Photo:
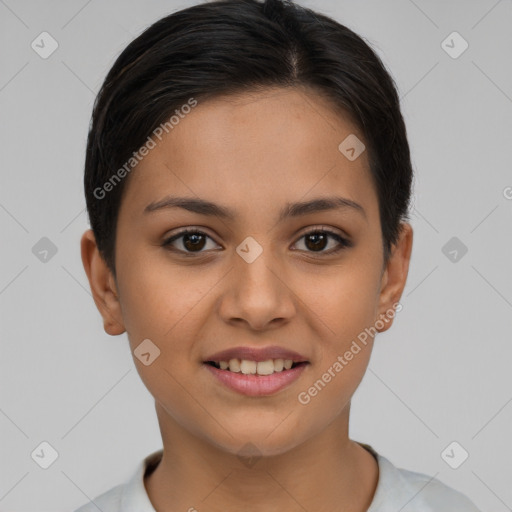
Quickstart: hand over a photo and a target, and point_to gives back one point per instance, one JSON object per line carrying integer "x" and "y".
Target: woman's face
{"x": 257, "y": 283}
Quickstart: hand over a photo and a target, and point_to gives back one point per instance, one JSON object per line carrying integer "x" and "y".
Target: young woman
{"x": 248, "y": 179}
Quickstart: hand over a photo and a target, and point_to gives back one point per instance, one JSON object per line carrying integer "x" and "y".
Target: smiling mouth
{"x": 260, "y": 368}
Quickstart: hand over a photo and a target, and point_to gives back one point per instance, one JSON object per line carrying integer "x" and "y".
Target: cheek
{"x": 345, "y": 301}
{"x": 157, "y": 300}
{"x": 345, "y": 304}
{"x": 161, "y": 303}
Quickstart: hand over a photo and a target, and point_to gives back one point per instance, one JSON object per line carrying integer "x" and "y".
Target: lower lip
{"x": 257, "y": 385}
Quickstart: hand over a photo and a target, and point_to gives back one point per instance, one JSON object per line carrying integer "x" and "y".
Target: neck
{"x": 325, "y": 473}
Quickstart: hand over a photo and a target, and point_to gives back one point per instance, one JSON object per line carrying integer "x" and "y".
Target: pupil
{"x": 315, "y": 244}
{"x": 191, "y": 241}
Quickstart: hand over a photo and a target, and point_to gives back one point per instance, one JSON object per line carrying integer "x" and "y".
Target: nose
{"x": 258, "y": 294}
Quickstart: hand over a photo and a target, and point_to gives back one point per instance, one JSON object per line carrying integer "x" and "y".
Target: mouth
{"x": 256, "y": 372}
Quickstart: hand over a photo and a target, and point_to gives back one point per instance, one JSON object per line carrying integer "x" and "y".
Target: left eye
{"x": 193, "y": 241}
{"x": 318, "y": 239}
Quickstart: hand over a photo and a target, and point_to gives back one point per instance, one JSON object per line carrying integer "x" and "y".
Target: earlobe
{"x": 102, "y": 284}
{"x": 395, "y": 277}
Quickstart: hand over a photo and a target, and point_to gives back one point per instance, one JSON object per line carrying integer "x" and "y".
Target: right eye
{"x": 191, "y": 240}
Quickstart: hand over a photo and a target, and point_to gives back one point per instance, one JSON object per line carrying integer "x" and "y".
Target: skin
{"x": 253, "y": 153}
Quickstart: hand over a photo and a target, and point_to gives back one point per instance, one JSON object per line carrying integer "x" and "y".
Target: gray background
{"x": 441, "y": 374}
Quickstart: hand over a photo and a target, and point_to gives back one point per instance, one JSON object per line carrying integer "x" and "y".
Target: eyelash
{"x": 344, "y": 243}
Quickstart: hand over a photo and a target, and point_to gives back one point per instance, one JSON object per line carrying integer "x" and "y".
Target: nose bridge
{"x": 255, "y": 268}
{"x": 258, "y": 292}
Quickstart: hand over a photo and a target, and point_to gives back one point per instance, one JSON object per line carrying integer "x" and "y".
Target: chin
{"x": 258, "y": 441}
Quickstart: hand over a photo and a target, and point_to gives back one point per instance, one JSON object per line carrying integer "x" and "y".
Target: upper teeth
{"x": 248, "y": 367}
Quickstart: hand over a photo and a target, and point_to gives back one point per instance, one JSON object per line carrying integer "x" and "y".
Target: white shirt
{"x": 397, "y": 489}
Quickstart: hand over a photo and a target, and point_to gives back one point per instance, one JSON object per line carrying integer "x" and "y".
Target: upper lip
{"x": 256, "y": 354}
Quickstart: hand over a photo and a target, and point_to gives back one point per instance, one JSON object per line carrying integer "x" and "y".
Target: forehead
{"x": 258, "y": 149}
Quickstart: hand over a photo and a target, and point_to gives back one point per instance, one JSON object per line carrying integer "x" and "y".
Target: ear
{"x": 394, "y": 277}
{"x": 103, "y": 285}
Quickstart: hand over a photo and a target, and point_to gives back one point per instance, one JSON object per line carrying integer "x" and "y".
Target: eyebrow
{"x": 290, "y": 210}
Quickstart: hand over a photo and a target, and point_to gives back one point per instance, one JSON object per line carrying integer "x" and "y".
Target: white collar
{"x": 134, "y": 497}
